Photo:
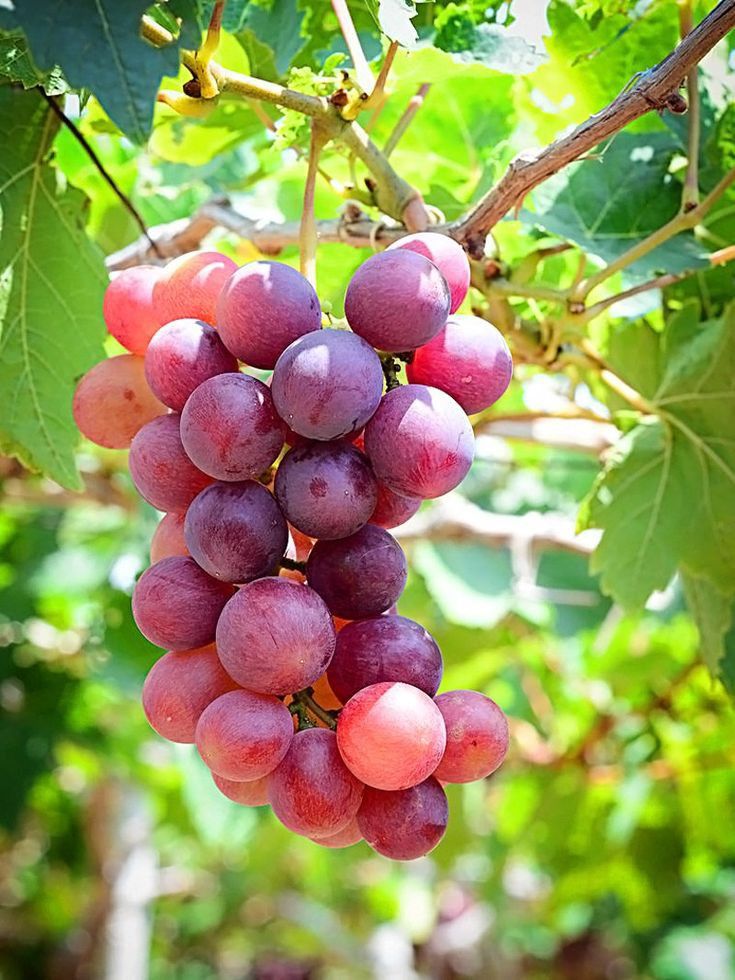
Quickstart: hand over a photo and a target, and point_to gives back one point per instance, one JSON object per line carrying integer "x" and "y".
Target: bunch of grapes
{"x": 274, "y": 577}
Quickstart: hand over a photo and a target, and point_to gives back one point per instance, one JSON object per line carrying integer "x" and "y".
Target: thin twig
{"x": 346, "y": 25}
{"x": 660, "y": 282}
{"x": 690, "y": 193}
{"x": 152, "y": 31}
{"x": 308, "y": 231}
{"x": 405, "y": 121}
{"x": 377, "y": 96}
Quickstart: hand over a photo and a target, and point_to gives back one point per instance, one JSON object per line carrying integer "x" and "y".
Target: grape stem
{"x": 391, "y": 367}
{"x": 690, "y": 193}
{"x": 303, "y": 702}
{"x": 308, "y": 229}
{"x": 292, "y": 565}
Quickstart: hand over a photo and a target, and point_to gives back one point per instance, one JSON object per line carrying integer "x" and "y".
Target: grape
{"x": 391, "y": 735}
{"x": 162, "y": 472}
{"x": 230, "y": 428}
{"x": 469, "y": 360}
{"x": 251, "y": 792}
{"x": 264, "y": 307}
{"x": 326, "y": 490}
{"x": 404, "y": 824}
{"x": 386, "y": 648}
{"x": 128, "y": 307}
{"x": 419, "y": 442}
{"x": 168, "y": 538}
{"x": 112, "y": 402}
{"x": 235, "y": 531}
{"x": 449, "y": 258}
{"x": 189, "y": 286}
{"x": 397, "y": 300}
{"x": 176, "y": 605}
{"x": 181, "y": 356}
{"x": 350, "y": 834}
{"x": 312, "y": 792}
{"x": 178, "y": 688}
{"x": 477, "y": 736}
{"x": 359, "y": 576}
{"x": 243, "y": 735}
{"x": 392, "y": 509}
{"x": 275, "y": 636}
{"x": 327, "y": 384}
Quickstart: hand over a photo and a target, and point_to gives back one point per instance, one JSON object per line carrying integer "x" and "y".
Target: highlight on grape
{"x": 274, "y": 578}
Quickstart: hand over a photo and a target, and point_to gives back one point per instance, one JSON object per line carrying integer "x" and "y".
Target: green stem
{"x": 307, "y": 229}
{"x": 305, "y": 701}
{"x": 690, "y": 193}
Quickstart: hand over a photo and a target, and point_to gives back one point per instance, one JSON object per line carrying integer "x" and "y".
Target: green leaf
{"x": 51, "y": 285}
{"x": 713, "y": 614}
{"x": 499, "y": 49}
{"x": 17, "y": 65}
{"x": 279, "y": 27}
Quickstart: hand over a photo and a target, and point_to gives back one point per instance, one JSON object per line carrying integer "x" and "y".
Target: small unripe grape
{"x": 182, "y": 355}
{"x": 404, "y": 824}
{"x": 168, "y": 538}
{"x": 113, "y": 401}
{"x": 162, "y": 472}
{"x": 251, "y": 792}
{"x": 128, "y": 307}
{"x": 447, "y": 255}
{"x": 189, "y": 286}
{"x": 477, "y": 736}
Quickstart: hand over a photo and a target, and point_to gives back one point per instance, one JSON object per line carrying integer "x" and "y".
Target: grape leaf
{"x": 279, "y": 27}
{"x": 17, "y": 65}
{"x": 712, "y": 612}
{"x": 496, "y": 47}
{"x": 51, "y": 284}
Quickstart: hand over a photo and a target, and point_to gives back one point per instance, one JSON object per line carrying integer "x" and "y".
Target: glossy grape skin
{"x": 391, "y": 735}
{"x": 350, "y": 834}
{"x": 404, "y": 824}
{"x": 168, "y": 538}
{"x": 392, "y": 509}
{"x": 468, "y": 359}
{"x": 112, "y": 402}
{"x": 326, "y": 490}
{"x": 235, "y": 531}
{"x": 162, "y": 472}
{"x": 397, "y": 300}
{"x": 189, "y": 286}
{"x": 230, "y": 428}
{"x": 244, "y": 735}
{"x": 477, "y": 736}
{"x": 275, "y": 636}
{"x": 178, "y": 688}
{"x": 250, "y": 792}
{"x": 419, "y": 442}
{"x": 447, "y": 255}
{"x": 327, "y": 384}
{"x": 263, "y": 308}
{"x": 312, "y": 792}
{"x": 359, "y": 576}
{"x": 385, "y": 648}
{"x": 128, "y": 307}
{"x": 176, "y": 605}
{"x": 182, "y": 355}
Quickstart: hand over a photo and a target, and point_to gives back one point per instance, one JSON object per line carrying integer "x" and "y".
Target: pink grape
{"x": 162, "y": 472}
{"x": 447, "y": 255}
{"x": 326, "y": 490}
{"x": 189, "y": 286}
{"x": 392, "y": 509}
{"x": 251, "y": 792}
{"x": 235, "y": 531}
{"x": 176, "y": 605}
{"x": 275, "y": 636}
{"x": 243, "y": 735}
{"x": 112, "y": 402}
{"x": 168, "y": 538}
{"x": 181, "y": 356}
{"x": 419, "y": 442}
{"x": 359, "y": 576}
{"x": 178, "y": 688}
{"x": 312, "y": 792}
{"x": 391, "y": 735}
{"x": 230, "y": 428}
{"x": 468, "y": 359}
{"x": 404, "y": 824}
{"x": 386, "y": 648}
{"x": 128, "y": 307}
{"x": 327, "y": 384}
{"x": 477, "y": 736}
{"x": 264, "y": 307}
{"x": 350, "y": 834}
{"x": 397, "y": 300}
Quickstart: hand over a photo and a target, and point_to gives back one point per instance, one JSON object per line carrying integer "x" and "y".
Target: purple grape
{"x": 392, "y": 509}
{"x": 397, "y": 300}
{"x": 180, "y": 356}
{"x": 404, "y": 824}
{"x": 235, "y": 531}
{"x": 359, "y": 576}
{"x": 176, "y": 605}
{"x": 447, "y": 255}
{"x": 264, "y": 307}
{"x": 419, "y": 442}
{"x": 326, "y": 490}
{"x": 230, "y": 428}
{"x": 468, "y": 359}
{"x": 386, "y": 648}
{"x": 162, "y": 472}
{"x": 275, "y": 636}
{"x": 327, "y": 384}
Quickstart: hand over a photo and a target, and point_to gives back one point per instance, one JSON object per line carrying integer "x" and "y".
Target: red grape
{"x": 447, "y": 255}
{"x": 168, "y": 538}
{"x": 477, "y": 736}
{"x": 393, "y": 509}
{"x": 112, "y": 402}
{"x": 264, "y": 307}
{"x": 391, "y": 735}
{"x": 181, "y": 356}
{"x": 350, "y": 834}
{"x": 312, "y": 792}
{"x": 176, "y": 605}
{"x": 189, "y": 286}
{"x": 251, "y": 792}
{"x": 162, "y": 472}
{"x": 128, "y": 307}
{"x": 275, "y": 636}
{"x": 243, "y": 735}
{"x": 404, "y": 824}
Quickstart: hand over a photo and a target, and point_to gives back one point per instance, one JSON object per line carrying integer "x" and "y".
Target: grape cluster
{"x": 274, "y": 579}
